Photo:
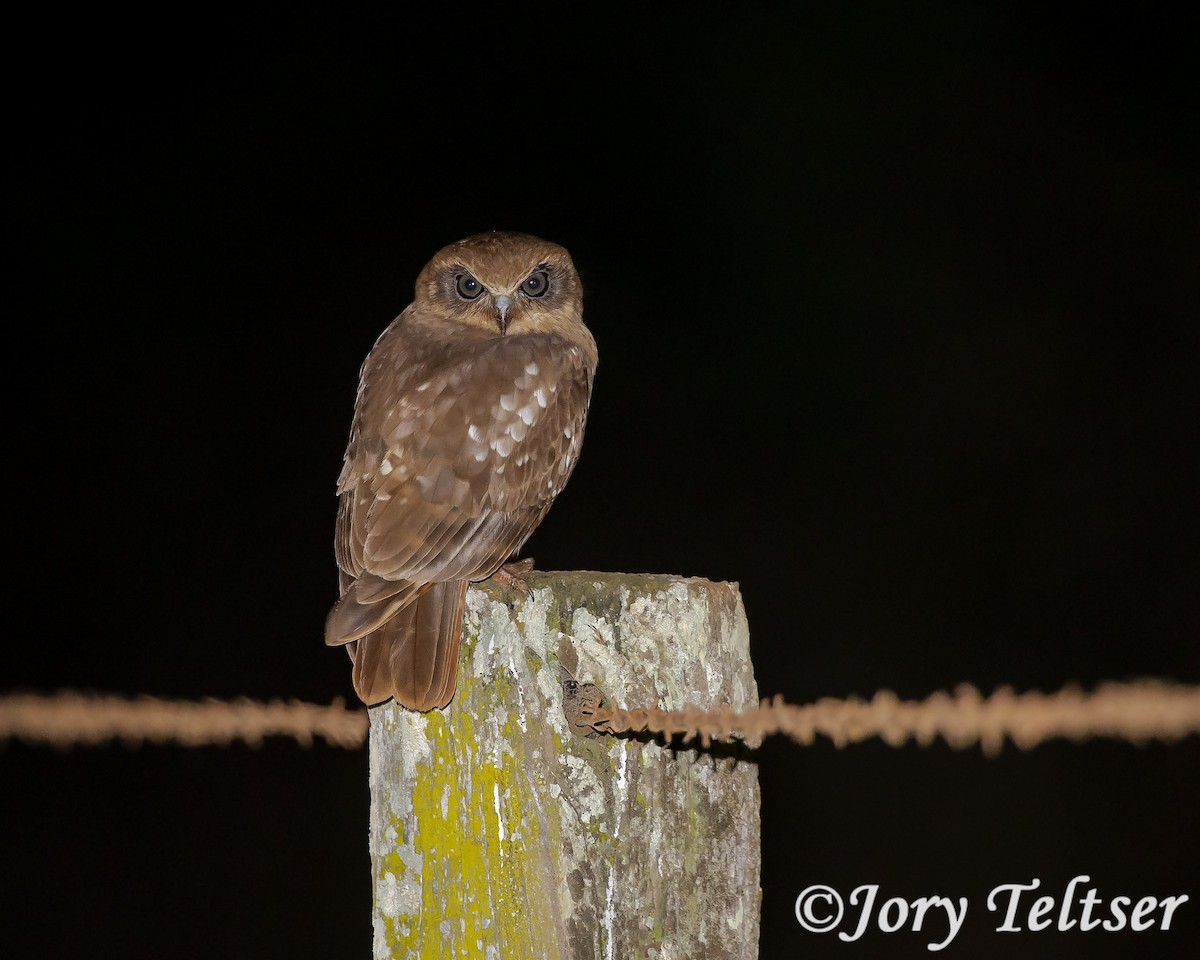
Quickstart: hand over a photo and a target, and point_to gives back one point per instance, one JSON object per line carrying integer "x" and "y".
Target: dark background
{"x": 897, "y": 321}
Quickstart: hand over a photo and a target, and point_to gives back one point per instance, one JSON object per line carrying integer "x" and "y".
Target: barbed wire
{"x": 1137, "y": 712}
{"x": 70, "y": 719}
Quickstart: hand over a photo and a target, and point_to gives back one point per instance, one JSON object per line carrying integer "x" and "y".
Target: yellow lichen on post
{"x": 497, "y": 832}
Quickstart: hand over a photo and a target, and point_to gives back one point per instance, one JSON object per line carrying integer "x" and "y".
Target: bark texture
{"x": 496, "y": 832}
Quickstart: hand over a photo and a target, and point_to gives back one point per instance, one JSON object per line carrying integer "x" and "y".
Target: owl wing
{"x": 457, "y": 451}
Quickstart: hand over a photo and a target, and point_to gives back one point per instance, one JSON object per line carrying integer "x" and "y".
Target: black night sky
{"x": 896, "y": 310}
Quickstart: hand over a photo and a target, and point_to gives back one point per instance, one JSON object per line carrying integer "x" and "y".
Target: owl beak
{"x": 503, "y": 305}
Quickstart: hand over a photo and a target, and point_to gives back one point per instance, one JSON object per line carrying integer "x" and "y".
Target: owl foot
{"x": 512, "y": 575}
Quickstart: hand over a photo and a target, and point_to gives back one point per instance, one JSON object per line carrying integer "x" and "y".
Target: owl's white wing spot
{"x": 405, "y": 428}
{"x": 531, "y": 368}
{"x": 540, "y": 396}
{"x": 385, "y": 467}
{"x": 475, "y": 433}
{"x": 503, "y": 445}
{"x": 508, "y": 402}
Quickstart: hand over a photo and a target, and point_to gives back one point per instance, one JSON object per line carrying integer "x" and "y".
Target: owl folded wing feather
{"x": 471, "y": 454}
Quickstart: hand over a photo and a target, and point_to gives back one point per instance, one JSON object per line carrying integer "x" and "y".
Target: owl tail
{"x": 366, "y": 604}
{"x": 414, "y": 655}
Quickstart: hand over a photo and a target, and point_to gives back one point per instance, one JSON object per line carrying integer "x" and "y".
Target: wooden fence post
{"x": 496, "y": 832}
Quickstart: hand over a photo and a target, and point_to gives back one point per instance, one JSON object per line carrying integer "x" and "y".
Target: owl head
{"x": 502, "y": 284}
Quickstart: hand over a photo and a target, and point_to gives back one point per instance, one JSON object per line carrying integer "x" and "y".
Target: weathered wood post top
{"x": 497, "y": 832}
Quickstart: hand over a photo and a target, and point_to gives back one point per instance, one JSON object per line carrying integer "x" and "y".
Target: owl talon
{"x": 512, "y": 575}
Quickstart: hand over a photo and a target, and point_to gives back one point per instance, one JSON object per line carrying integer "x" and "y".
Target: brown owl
{"x": 467, "y": 424}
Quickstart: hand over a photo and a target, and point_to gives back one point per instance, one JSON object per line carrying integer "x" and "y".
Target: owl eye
{"x": 536, "y": 284}
{"x": 467, "y": 286}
